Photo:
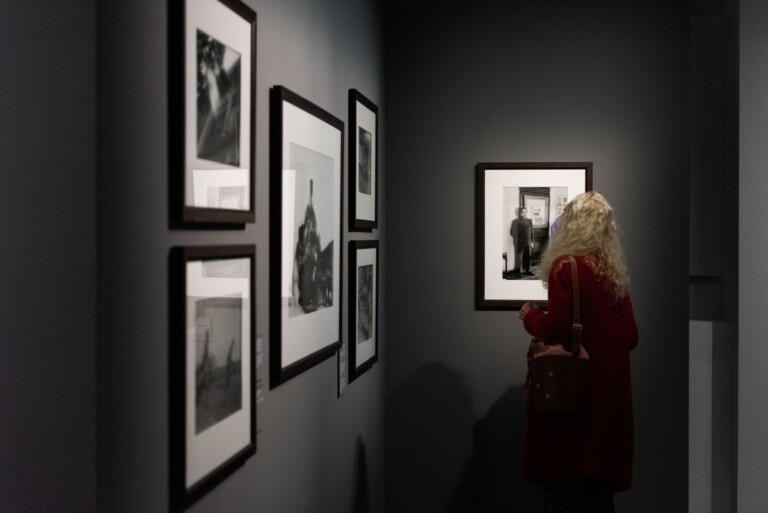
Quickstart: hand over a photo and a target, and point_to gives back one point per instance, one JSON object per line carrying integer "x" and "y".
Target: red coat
{"x": 597, "y": 442}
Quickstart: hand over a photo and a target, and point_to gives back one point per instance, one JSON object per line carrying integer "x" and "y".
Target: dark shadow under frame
{"x": 180, "y": 497}
{"x": 277, "y": 95}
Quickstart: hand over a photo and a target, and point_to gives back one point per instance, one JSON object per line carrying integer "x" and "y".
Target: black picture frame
{"x": 502, "y": 188}
{"x": 363, "y": 163}
{"x": 306, "y": 169}
{"x": 212, "y": 113}
{"x": 212, "y": 367}
{"x": 363, "y": 307}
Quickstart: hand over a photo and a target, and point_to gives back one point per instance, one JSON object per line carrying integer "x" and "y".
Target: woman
{"x": 582, "y": 459}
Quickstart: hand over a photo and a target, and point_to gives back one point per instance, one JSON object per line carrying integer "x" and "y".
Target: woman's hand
{"x": 527, "y": 307}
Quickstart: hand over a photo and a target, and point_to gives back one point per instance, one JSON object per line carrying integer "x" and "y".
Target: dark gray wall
{"x": 596, "y": 81}
{"x": 753, "y": 245}
{"x": 504, "y": 81}
{"x": 714, "y": 196}
{"x": 308, "y": 438}
{"x": 714, "y": 185}
{"x": 48, "y": 234}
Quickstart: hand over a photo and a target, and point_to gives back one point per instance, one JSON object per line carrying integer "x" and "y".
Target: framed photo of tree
{"x": 212, "y": 366}
{"x": 363, "y": 306}
{"x": 363, "y": 162}
{"x": 517, "y": 204}
{"x": 212, "y": 120}
{"x": 306, "y": 160}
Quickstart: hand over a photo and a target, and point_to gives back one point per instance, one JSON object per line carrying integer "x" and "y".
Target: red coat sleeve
{"x": 555, "y": 325}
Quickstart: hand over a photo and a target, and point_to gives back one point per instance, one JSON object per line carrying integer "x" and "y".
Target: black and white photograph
{"x": 312, "y": 279}
{"x": 213, "y": 122}
{"x": 306, "y": 160}
{"x": 363, "y": 308}
{"x": 218, "y": 359}
{"x": 213, "y": 372}
{"x": 218, "y": 101}
{"x": 518, "y": 206}
{"x": 364, "y": 303}
{"x": 527, "y": 228}
{"x": 363, "y": 161}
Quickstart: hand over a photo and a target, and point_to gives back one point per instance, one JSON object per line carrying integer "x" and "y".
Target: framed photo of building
{"x": 517, "y": 204}
{"x": 212, "y": 121}
{"x": 363, "y": 306}
{"x": 212, "y": 366}
{"x": 306, "y": 160}
{"x": 363, "y": 162}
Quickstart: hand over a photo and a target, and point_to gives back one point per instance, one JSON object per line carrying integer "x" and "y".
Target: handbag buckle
{"x": 576, "y": 330}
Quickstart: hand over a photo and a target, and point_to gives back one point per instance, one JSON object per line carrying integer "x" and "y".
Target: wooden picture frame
{"x": 306, "y": 161}
{"x": 363, "y": 307}
{"x": 212, "y": 113}
{"x": 363, "y": 163}
{"x": 212, "y": 367}
{"x": 505, "y": 264}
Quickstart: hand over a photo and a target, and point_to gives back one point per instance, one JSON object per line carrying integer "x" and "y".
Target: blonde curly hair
{"x": 587, "y": 228}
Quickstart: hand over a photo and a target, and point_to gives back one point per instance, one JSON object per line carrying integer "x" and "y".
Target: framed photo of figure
{"x": 213, "y": 119}
{"x": 212, "y": 366}
{"x": 363, "y": 306}
{"x": 306, "y": 160}
{"x": 517, "y": 205}
{"x": 363, "y": 162}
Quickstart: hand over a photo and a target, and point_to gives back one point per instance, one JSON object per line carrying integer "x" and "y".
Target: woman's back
{"x": 598, "y": 441}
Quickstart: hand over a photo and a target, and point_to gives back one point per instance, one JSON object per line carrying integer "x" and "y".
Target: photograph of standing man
{"x": 522, "y": 236}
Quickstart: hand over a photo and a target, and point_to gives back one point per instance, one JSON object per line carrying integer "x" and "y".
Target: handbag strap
{"x": 576, "y": 328}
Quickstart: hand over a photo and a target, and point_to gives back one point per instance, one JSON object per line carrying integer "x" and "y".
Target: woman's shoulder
{"x": 562, "y": 264}
{"x": 562, "y": 260}
{"x": 565, "y": 260}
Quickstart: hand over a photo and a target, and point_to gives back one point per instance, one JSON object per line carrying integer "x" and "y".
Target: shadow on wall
{"x": 491, "y": 480}
{"x": 437, "y": 461}
{"x": 360, "y": 498}
{"x": 429, "y": 427}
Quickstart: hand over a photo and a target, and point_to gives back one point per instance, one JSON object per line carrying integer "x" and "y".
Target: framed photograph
{"x": 306, "y": 159}
{"x": 212, "y": 366}
{"x": 517, "y": 203}
{"x": 213, "y": 122}
{"x": 363, "y": 306}
{"x": 363, "y": 163}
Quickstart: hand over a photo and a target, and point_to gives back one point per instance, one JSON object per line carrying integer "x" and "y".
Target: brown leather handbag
{"x": 556, "y": 373}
